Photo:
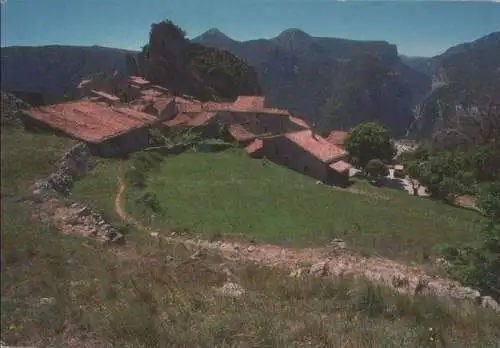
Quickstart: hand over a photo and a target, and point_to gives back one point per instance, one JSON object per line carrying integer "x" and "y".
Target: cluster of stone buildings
{"x": 114, "y": 118}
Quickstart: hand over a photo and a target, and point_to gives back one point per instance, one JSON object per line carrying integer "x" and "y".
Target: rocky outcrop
{"x": 344, "y": 263}
{"x": 79, "y": 219}
{"x": 11, "y": 107}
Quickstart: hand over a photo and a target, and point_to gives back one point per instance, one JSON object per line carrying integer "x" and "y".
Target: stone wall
{"x": 73, "y": 165}
{"x": 50, "y": 195}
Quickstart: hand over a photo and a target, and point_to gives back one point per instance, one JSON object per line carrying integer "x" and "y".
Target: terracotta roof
{"x": 299, "y": 121}
{"x": 83, "y": 83}
{"x": 139, "y": 80}
{"x": 316, "y": 145}
{"x": 108, "y": 96}
{"x": 340, "y": 166}
{"x": 249, "y": 102}
{"x": 160, "y": 88}
{"x": 179, "y": 119}
{"x": 150, "y": 93}
{"x": 239, "y": 133}
{"x": 162, "y": 103}
{"x": 188, "y": 107}
{"x": 254, "y": 146}
{"x": 201, "y": 118}
{"x": 337, "y": 137}
{"x": 217, "y": 106}
{"x": 89, "y": 121}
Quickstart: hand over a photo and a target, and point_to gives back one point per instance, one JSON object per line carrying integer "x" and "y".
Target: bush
{"x": 150, "y": 201}
{"x": 375, "y": 170}
{"x": 141, "y": 164}
{"x": 480, "y": 265}
{"x": 156, "y": 138}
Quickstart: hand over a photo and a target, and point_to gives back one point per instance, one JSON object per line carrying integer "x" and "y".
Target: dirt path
{"x": 118, "y": 199}
{"x": 333, "y": 260}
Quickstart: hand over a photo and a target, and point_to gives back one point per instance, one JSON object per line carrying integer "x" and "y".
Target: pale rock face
{"x": 319, "y": 269}
{"x": 489, "y": 302}
{"x": 231, "y": 289}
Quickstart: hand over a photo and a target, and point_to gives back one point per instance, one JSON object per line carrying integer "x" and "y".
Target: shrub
{"x": 375, "y": 170}
{"x": 156, "y": 138}
{"x": 141, "y": 164}
{"x": 150, "y": 201}
{"x": 480, "y": 265}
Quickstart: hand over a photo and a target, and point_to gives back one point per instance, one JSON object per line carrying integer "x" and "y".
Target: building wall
{"x": 168, "y": 112}
{"x": 284, "y": 152}
{"x": 122, "y": 145}
{"x": 256, "y": 123}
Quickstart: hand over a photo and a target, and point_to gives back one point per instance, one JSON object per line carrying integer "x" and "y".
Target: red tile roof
{"x": 217, "y": 106}
{"x": 139, "y": 80}
{"x": 189, "y": 107}
{"x": 239, "y": 133}
{"x": 316, "y": 145}
{"x": 249, "y": 102}
{"x": 340, "y": 166}
{"x": 179, "y": 119}
{"x": 254, "y": 146}
{"x": 162, "y": 103}
{"x": 83, "y": 83}
{"x": 201, "y": 118}
{"x": 160, "y": 88}
{"x": 90, "y": 121}
{"x": 108, "y": 96}
{"x": 337, "y": 137}
{"x": 150, "y": 94}
{"x": 299, "y": 121}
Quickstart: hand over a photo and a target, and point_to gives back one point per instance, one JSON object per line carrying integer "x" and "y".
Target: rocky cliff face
{"x": 463, "y": 76}
{"x": 172, "y": 61}
{"x": 57, "y": 70}
{"x": 332, "y": 82}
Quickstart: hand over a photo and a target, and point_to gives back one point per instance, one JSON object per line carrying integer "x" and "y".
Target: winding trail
{"x": 118, "y": 199}
{"x": 332, "y": 260}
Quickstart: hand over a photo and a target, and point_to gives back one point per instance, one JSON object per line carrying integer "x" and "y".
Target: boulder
{"x": 231, "y": 289}
{"x": 319, "y": 269}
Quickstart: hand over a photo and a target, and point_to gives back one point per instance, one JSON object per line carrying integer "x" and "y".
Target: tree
{"x": 375, "y": 170}
{"x": 416, "y": 170}
{"x": 444, "y": 175}
{"x": 369, "y": 141}
{"x": 479, "y": 265}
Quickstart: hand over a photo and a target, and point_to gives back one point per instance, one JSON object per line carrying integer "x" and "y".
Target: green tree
{"x": 445, "y": 175}
{"x": 375, "y": 170}
{"x": 369, "y": 141}
{"x": 479, "y": 265}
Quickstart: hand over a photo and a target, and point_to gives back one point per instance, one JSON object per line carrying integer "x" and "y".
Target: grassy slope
{"x": 136, "y": 298}
{"x": 227, "y": 192}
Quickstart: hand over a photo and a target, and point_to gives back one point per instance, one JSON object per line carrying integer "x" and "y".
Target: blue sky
{"x": 418, "y": 28}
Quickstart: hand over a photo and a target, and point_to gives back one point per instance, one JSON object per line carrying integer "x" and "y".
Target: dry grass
{"x": 149, "y": 294}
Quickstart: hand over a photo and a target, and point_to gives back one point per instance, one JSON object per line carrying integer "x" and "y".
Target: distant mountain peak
{"x": 293, "y": 34}
{"x": 214, "y": 34}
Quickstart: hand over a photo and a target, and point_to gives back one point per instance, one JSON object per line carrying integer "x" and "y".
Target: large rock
{"x": 231, "y": 289}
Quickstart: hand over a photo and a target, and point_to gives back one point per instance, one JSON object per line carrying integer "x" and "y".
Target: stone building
{"x": 109, "y": 131}
{"x": 307, "y": 153}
